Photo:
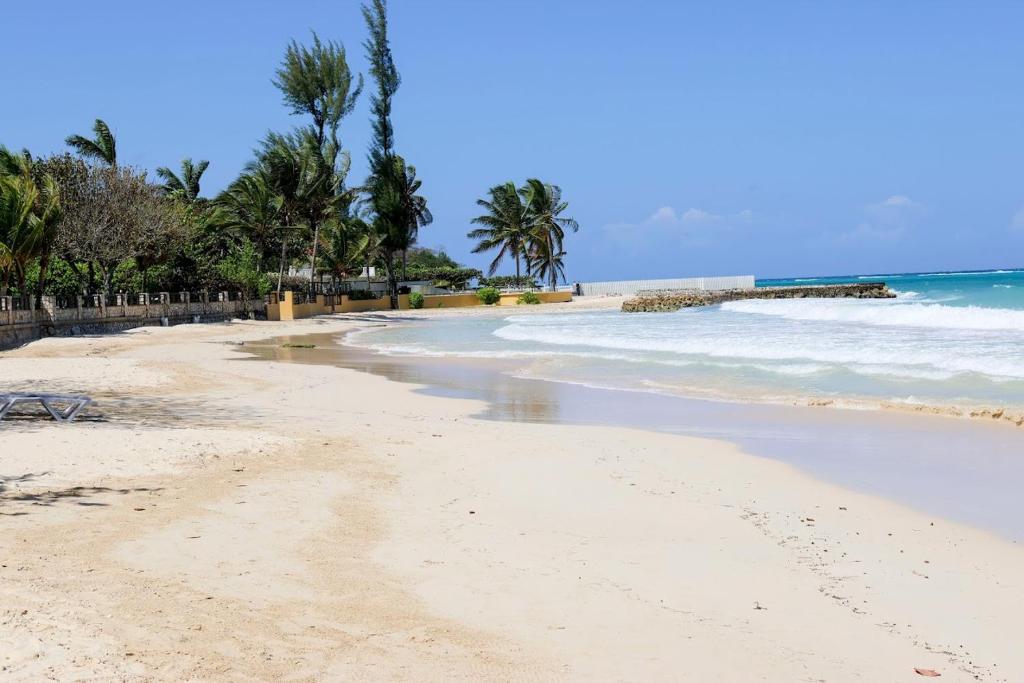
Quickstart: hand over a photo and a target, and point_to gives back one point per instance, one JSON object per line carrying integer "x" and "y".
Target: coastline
{"x": 1000, "y": 415}
{"x": 319, "y": 522}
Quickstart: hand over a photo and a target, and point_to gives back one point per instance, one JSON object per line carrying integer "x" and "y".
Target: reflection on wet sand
{"x": 957, "y": 469}
{"x": 508, "y": 398}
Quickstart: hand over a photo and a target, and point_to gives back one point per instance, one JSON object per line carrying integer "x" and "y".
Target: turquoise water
{"x": 988, "y": 288}
{"x": 948, "y": 339}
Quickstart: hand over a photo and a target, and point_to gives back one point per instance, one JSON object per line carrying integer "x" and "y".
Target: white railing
{"x": 631, "y": 287}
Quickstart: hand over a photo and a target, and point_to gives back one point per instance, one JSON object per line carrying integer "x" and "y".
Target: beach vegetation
{"x": 398, "y": 210}
{"x": 505, "y": 226}
{"x": 527, "y": 224}
{"x": 184, "y": 186}
{"x": 488, "y": 296}
{"x": 509, "y": 282}
{"x": 102, "y": 147}
{"x": 415, "y": 300}
{"x": 101, "y": 226}
{"x": 528, "y": 298}
{"x": 242, "y": 269}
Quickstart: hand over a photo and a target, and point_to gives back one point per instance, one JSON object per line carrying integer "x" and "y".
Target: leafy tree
{"x": 242, "y": 269}
{"x": 101, "y": 148}
{"x": 318, "y": 82}
{"x": 505, "y": 226}
{"x": 445, "y": 276}
{"x": 112, "y": 214}
{"x": 399, "y": 211}
{"x": 548, "y": 227}
{"x": 185, "y": 186}
{"x": 421, "y": 258}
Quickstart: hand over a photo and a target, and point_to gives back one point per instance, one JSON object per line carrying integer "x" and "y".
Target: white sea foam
{"x": 885, "y": 314}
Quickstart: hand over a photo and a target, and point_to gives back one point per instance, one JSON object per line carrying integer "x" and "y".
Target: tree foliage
{"x": 102, "y": 147}
{"x": 527, "y": 223}
{"x": 184, "y": 186}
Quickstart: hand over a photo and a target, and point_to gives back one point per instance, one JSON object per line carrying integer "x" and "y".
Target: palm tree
{"x": 349, "y": 243}
{"x": 102, "y": 148}
{"x": 547, "y": 228}
{"x": 399, "y": 213}
{"x": 19, "y": 231}
{"x": 506, "y": 225}
{"x": 33, "y": 236}
{"x": 296, "y": 172}
{"x": 185, "y": 186}
{"x": 250, "y": 209}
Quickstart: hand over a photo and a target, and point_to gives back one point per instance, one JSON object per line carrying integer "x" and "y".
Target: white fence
{"x": 631, "y": 287}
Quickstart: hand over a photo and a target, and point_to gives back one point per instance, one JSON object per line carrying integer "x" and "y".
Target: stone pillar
{"x": 165, "y": 298}
{"x": 6, "y": 310}
{"x": 49, "y": 307}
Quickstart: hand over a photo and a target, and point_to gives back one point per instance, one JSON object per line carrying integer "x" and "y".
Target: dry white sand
{"x": 223, "y": 519}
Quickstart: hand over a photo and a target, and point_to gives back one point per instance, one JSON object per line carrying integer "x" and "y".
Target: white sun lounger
{"x": 62, "y": 407}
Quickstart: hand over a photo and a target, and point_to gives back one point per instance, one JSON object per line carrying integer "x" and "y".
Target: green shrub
{"x": 415, "y": 300}
{"x": 528, "y": 298}
{"x": 241, "y": 269}
{"x": 503, "y": 281}
{"x": 488, "y": 296}
{"x": 361, "y": 295}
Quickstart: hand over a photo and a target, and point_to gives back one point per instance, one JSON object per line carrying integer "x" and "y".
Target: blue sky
{"x": 787, "y": 138}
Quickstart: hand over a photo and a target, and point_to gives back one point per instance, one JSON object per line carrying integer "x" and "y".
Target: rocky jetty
{"x": 673, "y": 300}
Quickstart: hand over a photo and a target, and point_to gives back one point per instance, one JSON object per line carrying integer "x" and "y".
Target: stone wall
{"x": 673, "y": 300}
{"x": 96, "y": 317}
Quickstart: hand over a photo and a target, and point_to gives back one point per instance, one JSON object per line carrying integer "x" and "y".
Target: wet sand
{"x": 963, "y": 470}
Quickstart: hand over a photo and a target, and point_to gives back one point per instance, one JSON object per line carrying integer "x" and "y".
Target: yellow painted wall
{"x": 545, "y": 298}
{"x": 450, "y": 301}
{"x": 287, "y": 309}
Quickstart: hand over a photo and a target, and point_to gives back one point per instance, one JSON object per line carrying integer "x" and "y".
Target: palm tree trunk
{"x": 44, "y": 265}
{"x": 389, "y": 263}
{"x": 312, "y": 260}
{"x": 280, "y": 269}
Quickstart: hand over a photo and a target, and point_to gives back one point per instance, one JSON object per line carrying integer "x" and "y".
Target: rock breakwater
{"x": 673, "y": 300}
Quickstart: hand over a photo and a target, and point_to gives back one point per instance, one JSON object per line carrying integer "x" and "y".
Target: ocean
{"x": 947, "y": 340}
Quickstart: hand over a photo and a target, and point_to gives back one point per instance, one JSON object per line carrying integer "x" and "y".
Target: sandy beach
{"x": 215, "y": 517}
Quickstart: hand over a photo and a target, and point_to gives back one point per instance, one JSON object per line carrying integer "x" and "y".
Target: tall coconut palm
{"x": 250, "y": 209}
{"x": 298, "y": 175}
{"x": 18, "y": 230}
{"x": 102, "y": 148}
{"x": 506, "y": 226}
{"x": 548, "y": 227}
{"x": 185, "y": 186}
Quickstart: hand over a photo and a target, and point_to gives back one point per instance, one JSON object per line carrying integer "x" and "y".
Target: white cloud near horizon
{"x": 1017, "y": 222}
{"x": 669, "y": 226}
{"x": 887, "y": 220}
{"x": 669, "y": 217}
